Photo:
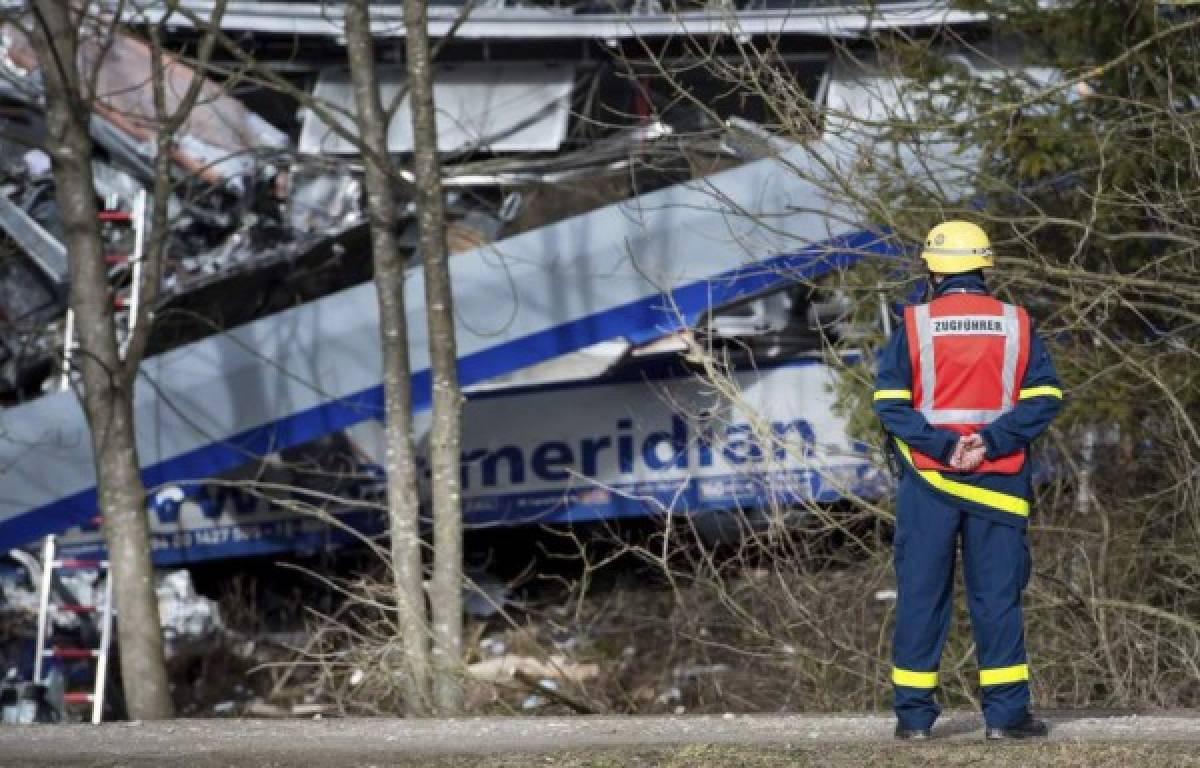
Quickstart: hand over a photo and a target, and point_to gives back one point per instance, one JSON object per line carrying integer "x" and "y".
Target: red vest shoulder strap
{"x": 968, "y": 302}
{"x": 1022, "y": 351}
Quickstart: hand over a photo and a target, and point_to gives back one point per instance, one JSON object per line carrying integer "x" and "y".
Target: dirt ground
{"x": 1045, "y": 756}
{"x": 1077, "y": 739}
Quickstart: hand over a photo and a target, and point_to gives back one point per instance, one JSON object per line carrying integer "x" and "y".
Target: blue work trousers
{"x": 996, "y": 567}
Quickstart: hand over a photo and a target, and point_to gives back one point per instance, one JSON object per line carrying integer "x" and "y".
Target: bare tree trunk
{"x": 403, "y": 505}
{"x": 445, "y": 433}
{"x": 107, "y": 384}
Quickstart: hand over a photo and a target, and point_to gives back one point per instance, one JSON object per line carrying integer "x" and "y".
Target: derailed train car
{"x": 242, "y": 460}
{"x": 612, "y": 432}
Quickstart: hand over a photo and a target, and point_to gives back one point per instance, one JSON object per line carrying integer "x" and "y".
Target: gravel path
{"x": 327, "y": 741}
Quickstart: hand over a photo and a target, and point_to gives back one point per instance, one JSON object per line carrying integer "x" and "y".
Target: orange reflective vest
{"x": 968, "y": 353}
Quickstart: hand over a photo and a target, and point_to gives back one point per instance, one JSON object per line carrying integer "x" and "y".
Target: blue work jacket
{"x": 1001, "y": 497}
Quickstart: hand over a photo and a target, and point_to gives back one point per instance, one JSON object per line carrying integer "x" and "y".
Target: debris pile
{"x": 268, "y": 211}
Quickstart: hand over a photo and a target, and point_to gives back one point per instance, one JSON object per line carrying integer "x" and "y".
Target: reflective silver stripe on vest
{"x": 1012, "y": 350}
{"x": 940, "y": 416}
{"x": 925, "y": 352}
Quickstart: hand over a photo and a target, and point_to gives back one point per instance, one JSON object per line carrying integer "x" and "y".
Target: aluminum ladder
{"x": 137, "y": 221}
{"x": 45, "y": 650}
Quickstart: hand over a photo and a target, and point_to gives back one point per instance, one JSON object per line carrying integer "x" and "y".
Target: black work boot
{"x": 912, "y": 734}
{"x": 1028, "y": 727}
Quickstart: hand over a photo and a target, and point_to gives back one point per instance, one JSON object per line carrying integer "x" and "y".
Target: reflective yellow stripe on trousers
{"x": 988, "y": 498}
{"x": 911, "y": 679}
{"x": 1018, "y": 673}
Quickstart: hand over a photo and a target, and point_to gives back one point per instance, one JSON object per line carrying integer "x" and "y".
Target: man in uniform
{"x": 964, "y": 387}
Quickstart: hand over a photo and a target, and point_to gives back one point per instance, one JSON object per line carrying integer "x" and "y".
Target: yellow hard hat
{"x": 953, "y": 247}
